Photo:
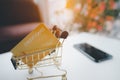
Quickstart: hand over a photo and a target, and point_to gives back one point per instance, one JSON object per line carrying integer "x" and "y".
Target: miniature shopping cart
{"x": 37, "y": 58}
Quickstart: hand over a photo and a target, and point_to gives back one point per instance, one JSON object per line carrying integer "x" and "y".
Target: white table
{"x": 78, "y": 66}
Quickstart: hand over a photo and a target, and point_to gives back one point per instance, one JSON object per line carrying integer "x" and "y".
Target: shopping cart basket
{"x": 40, "y": 57}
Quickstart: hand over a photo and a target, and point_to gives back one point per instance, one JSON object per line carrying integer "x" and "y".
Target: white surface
{"x": 78, "y": 66}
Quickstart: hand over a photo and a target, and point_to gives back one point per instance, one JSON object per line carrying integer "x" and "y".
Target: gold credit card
{"x": 40, "y": 39}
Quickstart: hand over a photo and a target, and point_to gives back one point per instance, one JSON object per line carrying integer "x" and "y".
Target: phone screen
{"x": 92, "y": 52}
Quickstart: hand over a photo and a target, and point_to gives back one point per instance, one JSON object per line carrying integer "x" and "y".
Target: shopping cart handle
{"x": 54, "y": 27}
{"x": 58, "y": 32}
{"x": 64, "y": 35}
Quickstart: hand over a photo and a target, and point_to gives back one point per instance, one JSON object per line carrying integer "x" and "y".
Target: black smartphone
{"x": 93, "y": 53}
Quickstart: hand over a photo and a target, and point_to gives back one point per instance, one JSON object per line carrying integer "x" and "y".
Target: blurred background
{"x": 20, "y": 17}
{"x": 100, "y": 17}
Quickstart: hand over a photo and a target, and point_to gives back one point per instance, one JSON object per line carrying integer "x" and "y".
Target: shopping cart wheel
{"x": 29, "y": 79}
{"x": 30, "y": 71}
{"x": 64, "y": 77}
